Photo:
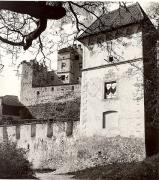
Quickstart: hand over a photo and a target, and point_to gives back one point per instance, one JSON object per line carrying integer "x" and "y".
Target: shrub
{"x": 13, "y": 162}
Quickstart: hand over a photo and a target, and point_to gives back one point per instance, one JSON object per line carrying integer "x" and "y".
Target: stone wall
{"x": 32, "y": 96}
{"x": 98, "y": 49}
{"x": 128, "y": 104}
{"x": 63, "y": 110}
{"x": 42, "y": 148}
{"x": 49, "y": 146}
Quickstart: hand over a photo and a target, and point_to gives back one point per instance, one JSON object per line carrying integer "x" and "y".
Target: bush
{"x": 13, "y": 162}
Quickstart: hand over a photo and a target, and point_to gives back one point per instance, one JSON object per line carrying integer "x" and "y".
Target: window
{"x": 110, "y": 120}
{"x": 77, "y": 57}
{"x": 111, "y": 58}
{"x": 63, "y": 65}
{"x": 33, "y": 130}
{"x": 37, "y": 92}
{"x": 110, "y": 90}
{"x": 52, "y": 89}
{"x": 62, "y": 77}
{"x": 72, "y": 88}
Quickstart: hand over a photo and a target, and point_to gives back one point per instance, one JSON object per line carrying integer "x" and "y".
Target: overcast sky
{"x": 10, "y": 82}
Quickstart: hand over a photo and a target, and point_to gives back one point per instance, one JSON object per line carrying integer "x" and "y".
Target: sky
{"x": 10, "y": 82}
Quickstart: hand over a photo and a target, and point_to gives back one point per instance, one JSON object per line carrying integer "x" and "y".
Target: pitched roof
{"x": 115, "y": 19}
{"x": 11, "y": 100}
{"x": 66, "y": 49}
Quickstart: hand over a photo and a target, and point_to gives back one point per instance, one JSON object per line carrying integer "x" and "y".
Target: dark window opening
{"x": 77, "y": 57}
{"x": 37, "y": 92}
{"x": 110, "y": 90}
{"x": 72, "y": 88}
{"x": 111, "y": 58}
{"x": 62, "y": 77}
{"x": 28, "y": 146}
{"x": 63, "y": 65}
{"x": 52, "y": 89}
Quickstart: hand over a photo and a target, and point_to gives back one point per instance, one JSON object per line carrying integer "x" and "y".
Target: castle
{"x": 115, "y": 120}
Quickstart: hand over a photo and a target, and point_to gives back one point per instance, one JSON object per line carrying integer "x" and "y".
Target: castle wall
{"x": 44, "y": 149}
{"x": 54, "y": 148}
{"x": 63, "y": 110}
{"x": 32, "y": 96}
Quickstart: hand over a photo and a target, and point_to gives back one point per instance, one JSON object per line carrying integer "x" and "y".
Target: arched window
{"x": 110, "y": 120}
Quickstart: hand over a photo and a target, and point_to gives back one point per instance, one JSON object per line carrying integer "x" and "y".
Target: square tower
{"x": 69, "y": 64}
{"x": 118, "y": 77}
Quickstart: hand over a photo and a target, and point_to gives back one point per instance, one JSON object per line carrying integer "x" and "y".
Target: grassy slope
{"x": 145, "y": 170}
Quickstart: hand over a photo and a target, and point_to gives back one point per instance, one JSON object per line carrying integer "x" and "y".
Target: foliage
{"x": 145, "y": 170}
{"x": 13, "y": 162}
{"x": 20, "y": 29}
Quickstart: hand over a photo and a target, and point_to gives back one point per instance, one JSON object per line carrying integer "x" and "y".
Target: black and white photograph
{"x": 79, "y": 90}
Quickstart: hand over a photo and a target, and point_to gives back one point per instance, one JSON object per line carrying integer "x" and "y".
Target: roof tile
{"x": 115, "y": 19}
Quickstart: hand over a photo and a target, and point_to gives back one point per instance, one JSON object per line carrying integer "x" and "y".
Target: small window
{"x": 33, "y": 130}
{"x": 110, "y": 90}
{"x": 63, "y": 65}
{"x": 62, "y": 77}
{"x": 37, "y": 92}
{"x": 52, "y": 89}
{"x": 111, "y": 59}
{"x": 76, "y": 57}
{"x": 49, "y": 130}
{"x": 28, "y": 146}
{"x": 17, "y": 132}
{"x": 72, "y": 88}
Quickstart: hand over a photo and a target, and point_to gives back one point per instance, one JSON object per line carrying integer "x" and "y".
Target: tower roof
{"x": 115, "y": 19}
{"x": 66, "y": 49}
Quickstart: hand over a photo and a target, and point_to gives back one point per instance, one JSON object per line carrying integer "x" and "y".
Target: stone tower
{"x": 26, "y": 79}
{"x": 69, "y": 64}
{"x": 118, "y": 81}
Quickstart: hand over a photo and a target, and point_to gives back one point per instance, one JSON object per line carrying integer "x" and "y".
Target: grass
{"x": 145, "y": 170}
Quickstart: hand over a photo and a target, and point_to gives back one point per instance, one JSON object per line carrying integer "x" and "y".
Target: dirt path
{"x": 52, "y": 176}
